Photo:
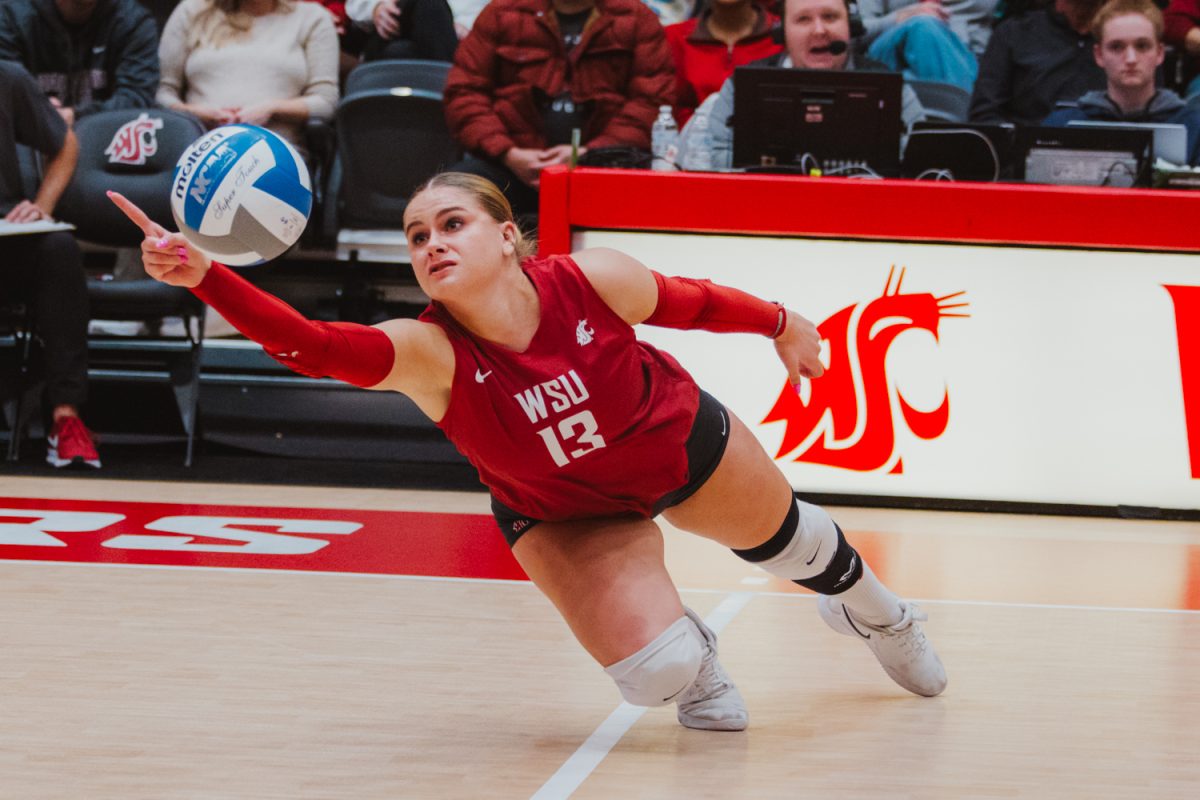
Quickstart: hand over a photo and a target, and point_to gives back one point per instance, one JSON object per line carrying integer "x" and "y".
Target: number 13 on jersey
{"x": 578, "y": 429}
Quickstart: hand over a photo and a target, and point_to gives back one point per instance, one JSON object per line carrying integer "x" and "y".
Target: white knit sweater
{"x": 284, "y": 55}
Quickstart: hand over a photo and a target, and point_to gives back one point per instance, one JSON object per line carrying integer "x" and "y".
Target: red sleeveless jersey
{"x": 588, "y": 421}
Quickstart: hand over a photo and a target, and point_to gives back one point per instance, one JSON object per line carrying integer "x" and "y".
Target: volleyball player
{"x": 583, "y": 434}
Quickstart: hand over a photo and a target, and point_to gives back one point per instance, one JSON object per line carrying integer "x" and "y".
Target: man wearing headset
{"x": 816, "y": 35}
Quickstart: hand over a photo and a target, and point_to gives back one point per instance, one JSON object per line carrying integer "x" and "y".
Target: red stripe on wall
{"x": 779, "y": 205}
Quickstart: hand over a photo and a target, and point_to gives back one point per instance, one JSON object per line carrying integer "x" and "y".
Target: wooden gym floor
{"x": 1072, "y": 646}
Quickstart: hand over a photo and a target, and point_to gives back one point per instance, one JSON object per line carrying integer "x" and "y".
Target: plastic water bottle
{"x": 664, "y": 140}
{"x": 697, "y": 156}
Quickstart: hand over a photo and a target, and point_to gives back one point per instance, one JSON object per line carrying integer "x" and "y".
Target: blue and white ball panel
{"x": 242, "y": 195}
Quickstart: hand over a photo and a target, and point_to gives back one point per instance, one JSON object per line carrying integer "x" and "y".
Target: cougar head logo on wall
{"x": 848, "y": 420}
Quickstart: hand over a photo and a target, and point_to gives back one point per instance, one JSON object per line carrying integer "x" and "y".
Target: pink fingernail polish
{"x": 182, "y": 252}
{"x": 161, "y": 243}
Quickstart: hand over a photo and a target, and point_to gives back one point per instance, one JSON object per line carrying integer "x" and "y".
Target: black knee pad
{"x": 774, "y": 546}
{"x": 843, "y": 571}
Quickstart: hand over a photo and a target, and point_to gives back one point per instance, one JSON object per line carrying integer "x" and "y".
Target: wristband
{"x": 781, "y": 326}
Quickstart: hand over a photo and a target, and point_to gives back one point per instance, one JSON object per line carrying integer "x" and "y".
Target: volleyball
{"x": 241, "y": 195}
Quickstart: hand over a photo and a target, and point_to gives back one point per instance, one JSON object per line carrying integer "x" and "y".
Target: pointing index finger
{"x": 136, "y": 215}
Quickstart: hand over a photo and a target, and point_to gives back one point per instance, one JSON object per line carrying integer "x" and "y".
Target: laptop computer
{"x": 1170, "y": 138}
{"x": 1085, "y": 156}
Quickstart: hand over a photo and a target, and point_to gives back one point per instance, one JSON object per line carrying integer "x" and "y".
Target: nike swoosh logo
{"x": 814, "y": 558}
{"x": 850, "y": 619}
{"x": 480, "y": 377}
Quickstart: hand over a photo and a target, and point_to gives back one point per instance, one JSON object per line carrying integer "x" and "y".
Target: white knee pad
{"x": 811, "y": 549}
{"x": 654, "y": 675}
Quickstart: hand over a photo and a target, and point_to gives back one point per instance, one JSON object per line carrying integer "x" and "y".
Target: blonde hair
{"x": 1119, "y": 8}
{"x": 488, "y": 196}
{"x": 219, "y": 22}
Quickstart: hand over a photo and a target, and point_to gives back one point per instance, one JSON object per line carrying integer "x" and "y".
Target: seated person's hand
{"x": 166, "y": 256}
{"x": 26, "y": 211}
{"x": 559, "y": 154}
{"x": 525, "y": 163}
{"x": 210, "y": 116}
{"x": 259, "y": 114}
{"x": 387, "y": 19}
{"x": 932, "y": 8}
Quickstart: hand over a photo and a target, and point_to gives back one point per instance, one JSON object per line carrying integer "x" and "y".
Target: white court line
{"x": 519, "y": 582}
{"x": 583, "y": 761}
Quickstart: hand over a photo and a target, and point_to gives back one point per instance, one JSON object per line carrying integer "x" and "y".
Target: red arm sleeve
{"x": 688, "y": 303}
{"x": 353, "y": 353}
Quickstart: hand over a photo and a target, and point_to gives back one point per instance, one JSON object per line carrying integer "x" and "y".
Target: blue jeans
{"x": 924, "y": 48}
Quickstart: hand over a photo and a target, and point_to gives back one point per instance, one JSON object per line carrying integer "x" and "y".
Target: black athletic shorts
{"x": 705, "y": 445}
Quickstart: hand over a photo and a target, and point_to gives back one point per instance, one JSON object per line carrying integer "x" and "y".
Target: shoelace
{"x": 911, "y": 637}
{"x": 709, "y": 680}
{"x": 906, "y": 633}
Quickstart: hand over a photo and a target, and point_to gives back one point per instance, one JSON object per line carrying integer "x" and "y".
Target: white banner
{"x": 990, "y": 373}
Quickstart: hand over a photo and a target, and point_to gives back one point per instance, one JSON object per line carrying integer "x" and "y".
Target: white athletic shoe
{"x": 712, "y": 702}
{"x": 902, "y": 649}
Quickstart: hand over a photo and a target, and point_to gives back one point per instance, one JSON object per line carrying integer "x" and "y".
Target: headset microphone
{"x": 835, "y": 48}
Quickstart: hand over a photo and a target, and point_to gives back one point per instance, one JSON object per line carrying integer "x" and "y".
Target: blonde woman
{"x": 272, "y": 63}
{"x": 531, "y": 367}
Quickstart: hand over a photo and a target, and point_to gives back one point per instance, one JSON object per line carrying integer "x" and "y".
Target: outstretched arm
{"x": 358, "y": 354}
{"x": 638, "y": 294}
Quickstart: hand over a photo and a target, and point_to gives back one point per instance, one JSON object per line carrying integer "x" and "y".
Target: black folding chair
{"x": 133, "y": 151}
{"x": 398, "y": 73}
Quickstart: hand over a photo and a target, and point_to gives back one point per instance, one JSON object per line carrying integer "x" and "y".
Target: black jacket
{"x": 111, "y": 61}
{"x": 1032, "y": 62}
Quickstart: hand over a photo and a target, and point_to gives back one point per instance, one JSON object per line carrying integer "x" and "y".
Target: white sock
{"x": 871, "y": 601}
{"x": 809, "y": 552}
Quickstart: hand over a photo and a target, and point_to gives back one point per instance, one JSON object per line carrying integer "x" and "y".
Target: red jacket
{"x": 622, "y": 63}
{"x": 703, "y": 63}
{"x": 1180, "y": 17}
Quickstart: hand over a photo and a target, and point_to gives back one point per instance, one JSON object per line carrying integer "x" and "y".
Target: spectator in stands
{"x": 928, "y": 39}
{"x": 406, "y": 28}
{"x": 706, "y": 49}
{"x": 672, "y": 12}
{"x": 351, "y": 39}
{"x": 1035, "y": 60}
{"x": 809, "y": 27}
{"x": 1183, "y": 32}
{"x": 1129, "y": 48}
{"x": 263, "y": 62}
{"x": 87, "y": 55}
{"x": 45, "y": 270}
{"x": 530, "y": 71}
